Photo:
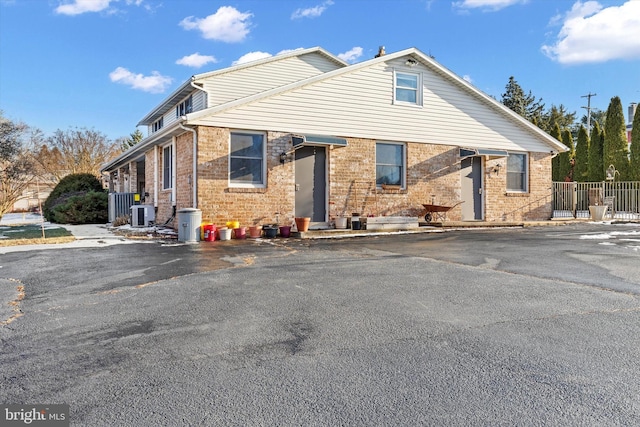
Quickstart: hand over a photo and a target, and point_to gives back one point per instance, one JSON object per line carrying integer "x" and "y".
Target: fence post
{"x": 574, "y": 199}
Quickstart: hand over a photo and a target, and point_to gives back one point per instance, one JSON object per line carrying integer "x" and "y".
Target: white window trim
{"x": 403, "y": 178}
{"x": 172, "y": 171}
{"x": 157, "y": 125}
{"x": 526, "y": 174}
{"x": 182, "y": 106}
{"x": 264, "y": 160}
{"x": 419, "y": 100}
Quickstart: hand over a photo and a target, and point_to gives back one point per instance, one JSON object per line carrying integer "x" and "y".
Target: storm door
{"x": 471, "y": 182}
{"x": 311, "y": 175}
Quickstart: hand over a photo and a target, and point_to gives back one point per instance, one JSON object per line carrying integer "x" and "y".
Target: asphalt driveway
{"x": 533, "y": 326}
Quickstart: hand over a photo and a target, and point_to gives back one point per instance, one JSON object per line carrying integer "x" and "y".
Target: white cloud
{"x": 591, "y": 33}
{"x": 251, "y": 56}
{"x": 78, "y": 7}
{"x": 312, "y": 12}
{"x": 196, "y": 60}
{"x": 227, "y": 25}
{"x": 351, "y": 55}
{"x": 490, "y": 5}
{"x": 283, "y": 51}
{"x": 255, "y": 56}
{"x": 155, "y": 83}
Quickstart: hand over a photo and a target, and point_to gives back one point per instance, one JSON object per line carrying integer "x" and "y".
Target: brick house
{"x": 306, "y": 134}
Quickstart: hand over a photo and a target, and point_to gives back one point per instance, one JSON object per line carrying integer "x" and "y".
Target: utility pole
{"x": 588, "y": 108}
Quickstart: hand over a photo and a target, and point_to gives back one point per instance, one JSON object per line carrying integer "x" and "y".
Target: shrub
{"x": 77, "y": 199}
{"x": 81, "y": 208}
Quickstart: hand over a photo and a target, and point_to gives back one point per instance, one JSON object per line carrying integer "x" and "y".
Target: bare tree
{"x": 16, "y": 164}
{"x": 74, "y": 151}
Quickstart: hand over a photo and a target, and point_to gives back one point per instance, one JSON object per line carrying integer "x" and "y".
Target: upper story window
{"x": 157, "y": 125}
{"x": 390, "y": 164}
{"x": 247, "y": 167}
{"x": 167, "y": 167}
{"x": 517, "y": 172}
{"x": 407, "y": 88}
{"x": 185, "y": 107}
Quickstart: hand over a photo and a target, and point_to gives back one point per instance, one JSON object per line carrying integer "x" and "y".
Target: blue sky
{"x": 104, "y": 64}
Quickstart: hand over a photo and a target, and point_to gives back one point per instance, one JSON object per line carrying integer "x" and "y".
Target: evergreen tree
{"x": 555, "y": 162}
{"x": 523, "y": 104}
{"x": 581, "y": 168}
{"x": 596, "y": 143}
{"x": 634, "y": 165}
{"x": 134, "y": 138}
{"x": 567, "y": 158}
{"x": 615, "y": 150}
{"x": 558, "y": 115}
{"x": 597, "y": 116}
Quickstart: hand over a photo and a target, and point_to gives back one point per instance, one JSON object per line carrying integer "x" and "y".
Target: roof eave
{"x": 169, "y": 102}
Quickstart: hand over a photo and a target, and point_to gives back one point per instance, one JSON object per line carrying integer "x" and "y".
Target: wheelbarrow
{"x": 437, "y": 212}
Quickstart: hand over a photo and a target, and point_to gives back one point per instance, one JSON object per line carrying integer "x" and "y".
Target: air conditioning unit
{"x": 142, "y": 215}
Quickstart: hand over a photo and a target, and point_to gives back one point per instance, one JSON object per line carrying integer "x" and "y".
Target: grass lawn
{"x": 28, "y": 234}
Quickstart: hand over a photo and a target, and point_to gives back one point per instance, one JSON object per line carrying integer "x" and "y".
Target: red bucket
{"x": 240, "y": 232}
{"x": 209, "y": 232}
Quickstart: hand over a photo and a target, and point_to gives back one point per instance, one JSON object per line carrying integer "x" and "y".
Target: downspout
{"x": 174, "y": 172}
{"x": 194, "y": 175}
{"x": 155, "y": 177}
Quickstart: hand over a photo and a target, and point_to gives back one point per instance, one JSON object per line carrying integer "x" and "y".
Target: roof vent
{"x": 381, "y": 52}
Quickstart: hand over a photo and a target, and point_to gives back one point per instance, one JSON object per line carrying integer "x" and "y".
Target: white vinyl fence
{"x": 572, "y": 199}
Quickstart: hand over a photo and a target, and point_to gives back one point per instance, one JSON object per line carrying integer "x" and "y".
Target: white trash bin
{"x": 189, "y": 220}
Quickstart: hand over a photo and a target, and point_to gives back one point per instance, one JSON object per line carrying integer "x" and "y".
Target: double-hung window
{"x": 167, "y": 167}
{"x": 390, "y": 164}
{"x": 157, "y": 125}
{"x": 185, "y": 107}
{"x": 247, "y": 166}
{"x": 407, "y": 88}
{"x": 517, "y": 172}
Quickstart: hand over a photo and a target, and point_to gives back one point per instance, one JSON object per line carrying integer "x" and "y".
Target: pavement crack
{"x": 15, "y": 304}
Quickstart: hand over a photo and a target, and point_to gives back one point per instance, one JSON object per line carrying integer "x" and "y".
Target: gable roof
{"x": 553, "y": 144}
{"x": 200, "y": 117}
{"x": 190, "y": 85}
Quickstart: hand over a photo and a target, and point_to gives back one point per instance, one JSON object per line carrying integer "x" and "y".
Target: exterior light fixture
{"x": 283, "y": 157}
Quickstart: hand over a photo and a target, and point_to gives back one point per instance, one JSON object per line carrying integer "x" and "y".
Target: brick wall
{"x": 433, "y": 176}
{"x": 534, "y": 205}
{"x": 250, "y": 206}
{"x": 433, "y": 171}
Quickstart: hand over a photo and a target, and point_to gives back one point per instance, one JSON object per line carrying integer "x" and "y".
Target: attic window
{"x": 407, "y": 88}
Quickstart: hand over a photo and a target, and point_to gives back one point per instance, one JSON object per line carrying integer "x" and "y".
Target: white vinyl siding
{"x": 198, "y": 101}
{"x": 517, "y": 172}
{"x": 249, "y": 81}
{"x": 360, "y": 104}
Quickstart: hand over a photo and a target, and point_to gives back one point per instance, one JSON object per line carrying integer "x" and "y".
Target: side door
{"x": 310, "y": 182}
{"x": 471, "y": 184}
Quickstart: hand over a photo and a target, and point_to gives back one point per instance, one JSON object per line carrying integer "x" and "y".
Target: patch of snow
{"x": 21, "y": 218}
{"x": 604, "y": 236}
